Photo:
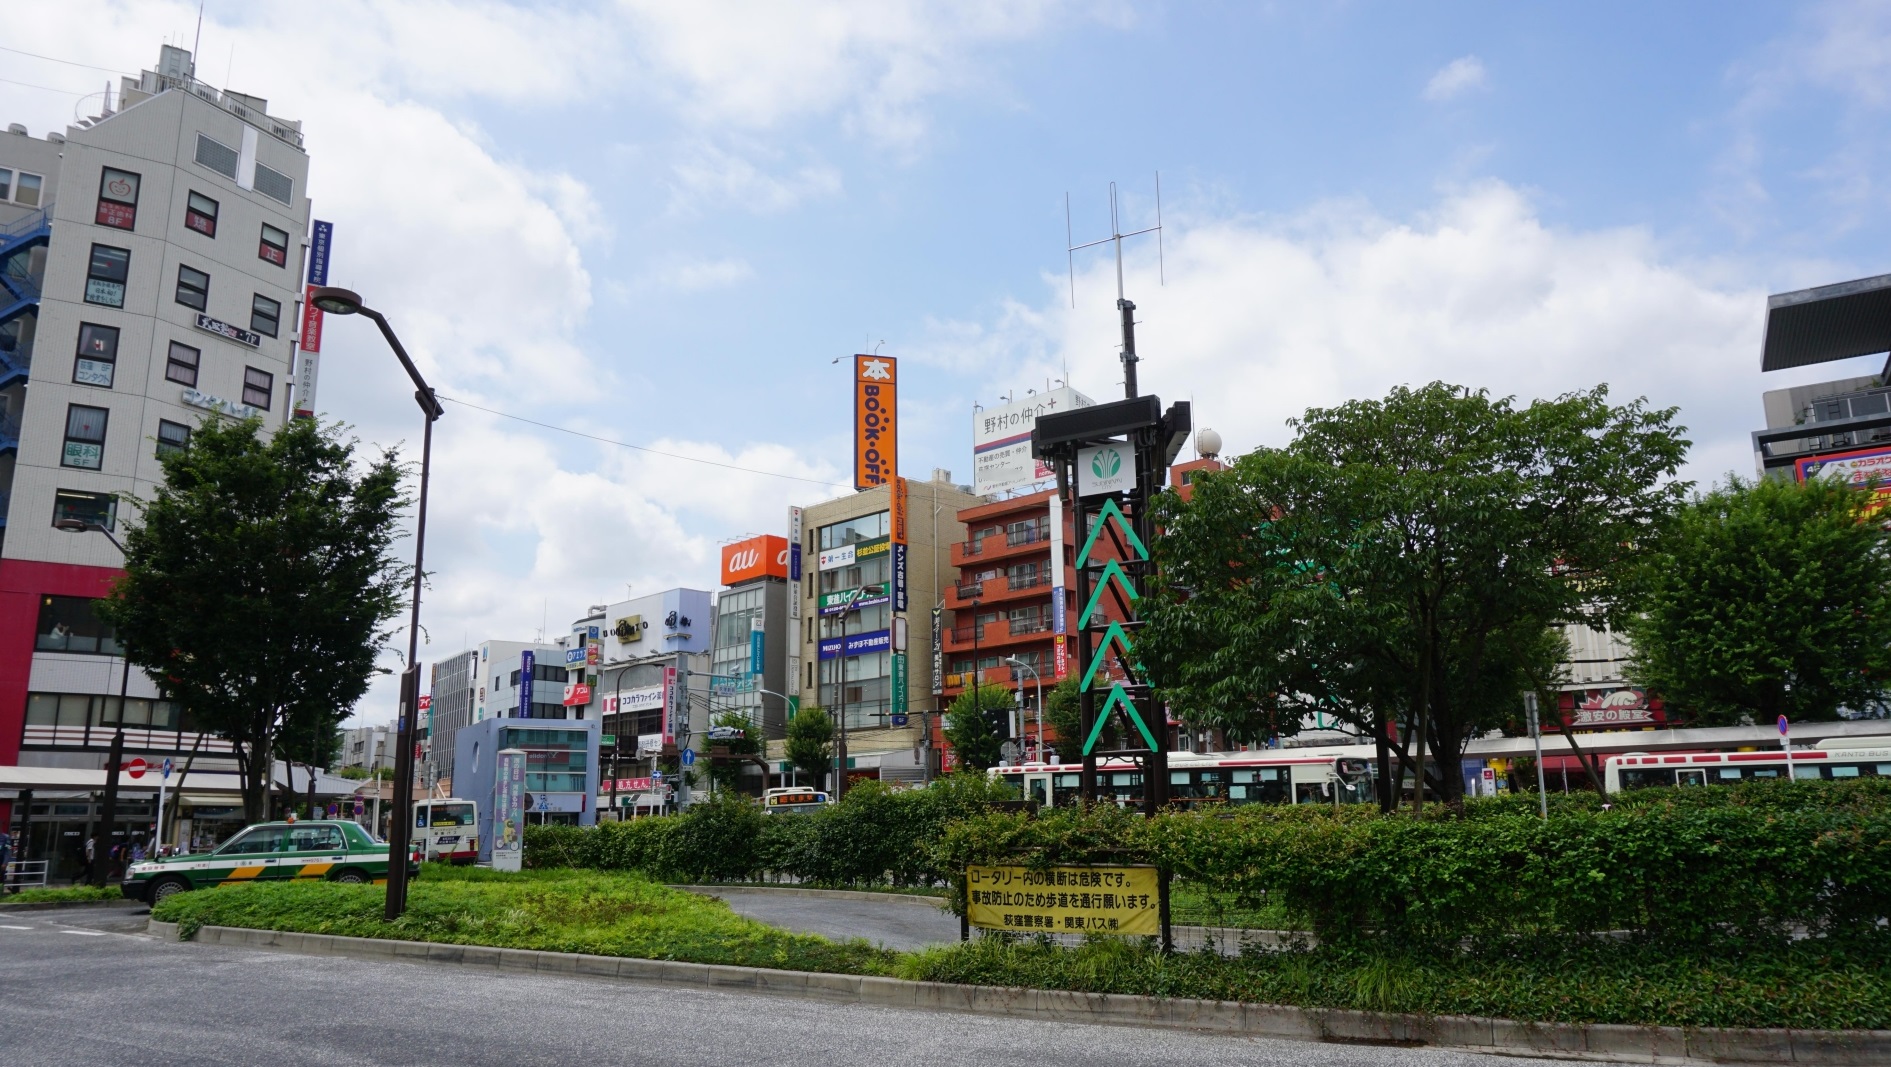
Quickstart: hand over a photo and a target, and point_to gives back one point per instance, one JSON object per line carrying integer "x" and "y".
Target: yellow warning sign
{"x": 1064, "y": 900}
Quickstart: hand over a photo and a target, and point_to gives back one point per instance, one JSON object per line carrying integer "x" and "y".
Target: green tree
{"x": 258, "y": 580}
{"x": 1768, "y": 598}
{"x": 810, "y": 744}
{"x": 1063, "y": 713}
{"x": 967, "y": 731}
{"x": 727, "y": 774}
{"x": 1401, "y": 563}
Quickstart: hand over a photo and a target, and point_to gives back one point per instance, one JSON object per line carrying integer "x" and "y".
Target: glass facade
{"x": 554, "y": 759}
{"x": 865, "y": 689}
{"x": 864, "y": 528}
{"x": 734, "y": 688}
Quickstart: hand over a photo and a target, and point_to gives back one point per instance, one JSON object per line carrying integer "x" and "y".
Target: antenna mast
{"x": 1123, "y": 304}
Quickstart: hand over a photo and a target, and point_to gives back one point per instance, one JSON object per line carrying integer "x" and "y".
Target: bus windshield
{"x": 451, "y": 815}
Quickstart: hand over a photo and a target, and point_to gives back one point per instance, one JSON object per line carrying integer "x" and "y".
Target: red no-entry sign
{"x": 136, "y": 767}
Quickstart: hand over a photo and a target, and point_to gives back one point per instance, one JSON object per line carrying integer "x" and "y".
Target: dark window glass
{"x": 105, "y": 276}
{"x": 68, "y": 624}
{"x": 258, "y": 387}
{"x": 218, "y": 157}
{"x": 101, "y": 508}
{"x": 85, "y": 437}
{"x": 275, "y": 246}
{"x": 172, "y": 437}
{"x": 97, "y": 355}
{"x": 193, "y": 287}
{"x": 181, "y": 365}
{"x": 117, "y": 199}
{"x": 265, "y": 315}
{"x": 200, "y": 214}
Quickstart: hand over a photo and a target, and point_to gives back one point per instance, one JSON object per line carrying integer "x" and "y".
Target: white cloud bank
{"x": 1454, "y": 79}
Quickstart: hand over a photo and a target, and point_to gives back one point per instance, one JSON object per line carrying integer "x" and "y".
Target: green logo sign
{"x": 1106, "y": 463}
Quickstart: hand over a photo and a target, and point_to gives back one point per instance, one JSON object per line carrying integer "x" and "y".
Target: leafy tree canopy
{"x": 258, "y": 580}
{"x": 1768, "y": 598}
{"x": 1402, "y": 561}
{"x": 977, "y": 744}
{"x": 810, "y": 744}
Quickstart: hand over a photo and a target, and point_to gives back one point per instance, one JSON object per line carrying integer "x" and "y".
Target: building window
{"x": 117, "y": 199}
{"x": 218, "y": 157}
{"x": 864, "y": 528}
{"x": 258, "y": 385}
{"x": 97, "y": 356}
{"x": 181, "y": 365}
{"x": 68, "y": 624}
{"x": 200, "y": 214}
{"x": 274, "y": 184}
{"x": 101, "y": 508}
{"x": 21, "y": 188}
{"x": 193, "y": 287}
{"x": 172, "y": 437}
{"x": 265, "y": 315}
{"x": 85, "y": 437}
{"x": 275, "y": 246}
{"x": 106, "y": 274}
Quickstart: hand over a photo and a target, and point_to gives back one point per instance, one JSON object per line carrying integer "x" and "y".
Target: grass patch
{"x": 1805, "y": 984}
{"x": 1195, "y": 905}
{"x": 591, "y": 912}
{"x": 73, "y": 894}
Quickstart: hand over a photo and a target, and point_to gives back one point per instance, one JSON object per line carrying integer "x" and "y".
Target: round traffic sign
{"x": 1782, "y": 726}
{"x": 689, "y": 757}
{"x": 136, "y": 767}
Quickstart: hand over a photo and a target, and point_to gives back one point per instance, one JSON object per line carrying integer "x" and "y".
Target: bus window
{"x": 1844, "y": 772}
{"x": 1212, "y": 783}
{"x": 1065, "y": 788}
{"x": 1729, "y": 774}
{"x": 1802, "y": 771}
{"x": 1182, "y": 785}
{"x": 1038, "y": 787}
{"x": 452, "y": 815}
{"x": 1646, "y": 777}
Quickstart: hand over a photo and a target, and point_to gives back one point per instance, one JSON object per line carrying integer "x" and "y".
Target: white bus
{"x": 1272, "y": 776}
{"x": 1836, "y": 757}
{"x": 793, "y": 798}
{"x": 446, "y": 830}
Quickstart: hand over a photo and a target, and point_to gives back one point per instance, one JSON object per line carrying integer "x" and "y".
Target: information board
{"x": 1064, "y": 900}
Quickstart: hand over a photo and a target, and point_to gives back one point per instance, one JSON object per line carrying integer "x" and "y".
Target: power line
{"x": 67, "y": 62}
{"x": 640, "y": 448}
{"x": 49, "y": 88}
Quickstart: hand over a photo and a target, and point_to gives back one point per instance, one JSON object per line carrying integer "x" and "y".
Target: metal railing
{"x": 967, "y": 592}
{"x": 1028, "y": 581}
{"x": 25, "y": 874}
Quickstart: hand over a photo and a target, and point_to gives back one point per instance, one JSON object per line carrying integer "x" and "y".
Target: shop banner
{"x": 758, "y": 640}
{"x": 308, "y": 363}
{"x": 675, "y": 704}
{"x": 794, "y": 544}
{"x": 899, "y": 576}
{"x": 899, "y": 511}
{"x": 938, "y": 651}
{"x": 508, "y": 810}
{"x": 876, "y": 421}
{"x": 526, "y": 663}
{"x": 899, "y": 683}
{"x": 857, "y": 644}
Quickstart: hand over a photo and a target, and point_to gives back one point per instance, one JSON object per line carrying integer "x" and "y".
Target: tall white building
{"x": 150, "y": 268}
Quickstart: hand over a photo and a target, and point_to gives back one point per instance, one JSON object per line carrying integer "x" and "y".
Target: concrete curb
{"x": 50, "y": 905}
{"x": 936, "y": 903}
{"x": 1611, "y": 1043}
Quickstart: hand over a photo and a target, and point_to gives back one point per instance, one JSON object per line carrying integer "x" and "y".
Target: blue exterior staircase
{"x": 18, "y": 294}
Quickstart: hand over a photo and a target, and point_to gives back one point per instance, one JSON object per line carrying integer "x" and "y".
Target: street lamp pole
{"x": 1039, "y": 682}
{"x": 116, "y": 756}
{"x": 840, "y": 691}
{"x": 337, "y": 301}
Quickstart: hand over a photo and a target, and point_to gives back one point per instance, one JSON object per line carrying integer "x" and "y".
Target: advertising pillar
{"x": 508, "y": 810}
{"x": 309, "y": 359}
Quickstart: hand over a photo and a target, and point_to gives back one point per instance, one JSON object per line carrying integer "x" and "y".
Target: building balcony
{"x": 1000, "y": 546}
{"x": 1002, "y": 589}
{"x": 1000, "y": 634}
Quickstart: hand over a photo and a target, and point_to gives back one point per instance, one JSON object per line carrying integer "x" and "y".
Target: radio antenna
{"x": 1122, "y": 302}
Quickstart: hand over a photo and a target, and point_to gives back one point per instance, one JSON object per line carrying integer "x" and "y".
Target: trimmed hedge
{"x": 875, "y": 836}
{"x": 1688, "y": 865}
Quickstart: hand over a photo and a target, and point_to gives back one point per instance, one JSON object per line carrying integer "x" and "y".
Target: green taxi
{"x": 339, "y": 851}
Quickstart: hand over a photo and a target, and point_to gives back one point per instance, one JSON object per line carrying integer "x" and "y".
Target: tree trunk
{"x": 1586, "y": 759}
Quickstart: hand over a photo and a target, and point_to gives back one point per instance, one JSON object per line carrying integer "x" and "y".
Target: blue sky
{"x": 660, "y": 223}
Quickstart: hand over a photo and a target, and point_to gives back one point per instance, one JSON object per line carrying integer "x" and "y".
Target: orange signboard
{"x": 876, "y": 421}
{"x": 758, "y": 557}
{"x": 899, "y": 511}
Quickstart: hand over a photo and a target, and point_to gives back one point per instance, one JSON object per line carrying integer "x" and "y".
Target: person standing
{"x": 6, "y": 858}
{"x": 91, "y": 856}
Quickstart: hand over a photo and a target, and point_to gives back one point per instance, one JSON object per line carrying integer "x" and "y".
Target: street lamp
{"x": 840, "y": 689}
{"x": 1015, "y": 661}
{"x": 338, "y": 301}
{"x": 117, "y": 754}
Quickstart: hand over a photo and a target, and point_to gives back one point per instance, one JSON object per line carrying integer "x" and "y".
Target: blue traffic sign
{"x": 166, "y": 772}
{"x": 689, "y": 757}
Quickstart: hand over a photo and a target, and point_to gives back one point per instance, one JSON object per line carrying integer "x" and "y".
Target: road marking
{"x": 7, "y": 926}
{"x": 85, "y": 933}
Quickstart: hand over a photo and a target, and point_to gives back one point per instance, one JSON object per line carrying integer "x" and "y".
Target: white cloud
{"x": 697, "y": 275}
{"x": 1263, "y": 319}
{"x": 1456, "y": 78}
{"x": 712, "y": 177}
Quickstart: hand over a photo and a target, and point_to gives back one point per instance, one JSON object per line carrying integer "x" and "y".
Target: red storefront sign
{"x": 1611, "y": 709}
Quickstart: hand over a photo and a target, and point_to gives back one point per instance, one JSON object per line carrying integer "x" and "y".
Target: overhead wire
{"x": 639, "y": 448}
{"x": 67, "y": 62}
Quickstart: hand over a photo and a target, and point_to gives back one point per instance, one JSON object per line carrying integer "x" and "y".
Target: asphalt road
{"x": 78, "y": 987}
{"x": 892, "y": 922}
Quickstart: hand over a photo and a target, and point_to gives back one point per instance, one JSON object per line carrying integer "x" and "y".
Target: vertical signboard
{"x": 526, "y": 664}
{"x": 899, "y": 576}
{"x": 899, "y": 688}
{"x": 672, "y": 699}
{"x": 938, "y": 651}
{"x": 794, "y": 544}
{"x": 1060, "y": 622}
{"x": 876, "y": 421}
{"x": 508, "y": 810}
{"x": 757, "y": 648}
{"x": 308, "y": 360}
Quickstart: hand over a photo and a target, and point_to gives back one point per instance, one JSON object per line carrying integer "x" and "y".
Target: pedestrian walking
{"x": 6, "y": 859}
{"x": 91, "y": 856}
